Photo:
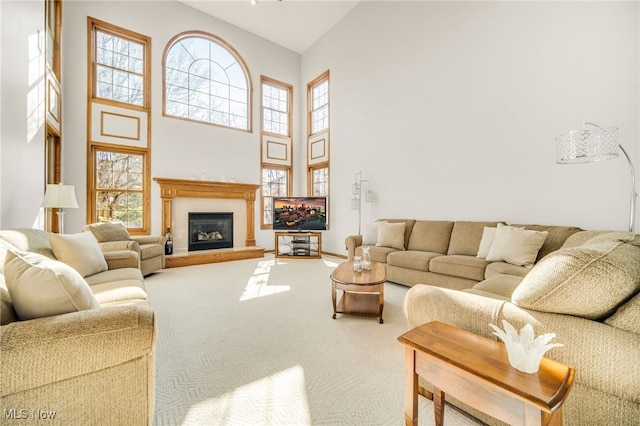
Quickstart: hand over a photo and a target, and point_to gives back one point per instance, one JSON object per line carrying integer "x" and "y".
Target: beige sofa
{"x": 444, "y": 253}
{"x": 583, "y": 286}
{"x": 92, "y": 364}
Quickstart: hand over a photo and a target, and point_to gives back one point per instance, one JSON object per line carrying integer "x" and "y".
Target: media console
{"x": 298, "y": 245}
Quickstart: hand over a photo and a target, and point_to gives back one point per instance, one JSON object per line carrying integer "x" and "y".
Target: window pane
{"x": 275, "y": 109}
{"x": 119, "y": 184}
{"x": 215, "y": 73}
{"x": 120, "y": 62}
{"x": 274, "y": 183}
{"x": 320, "y": 182}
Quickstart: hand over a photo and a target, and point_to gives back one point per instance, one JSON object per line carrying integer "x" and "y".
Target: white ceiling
{"x": 294, "y": 24}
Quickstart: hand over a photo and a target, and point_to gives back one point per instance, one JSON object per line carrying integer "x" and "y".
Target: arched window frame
{"x": 233, "y": 52}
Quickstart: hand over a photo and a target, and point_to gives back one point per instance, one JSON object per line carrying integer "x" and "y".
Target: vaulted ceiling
{"x": 294, "y": 24}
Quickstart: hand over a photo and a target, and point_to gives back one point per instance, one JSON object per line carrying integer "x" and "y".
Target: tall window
{"x": 275, "y": 108}
{"x": 206, "y": 80}
{"x": 53, "y": 102}
{"x": 119, "y": 187}
{"x": 320, "y": 106}
{"x": 277, "y": 162}
{"x": 318, "y": 136}
{"x": 120, "y": 68}
{"x": 320, "y": 179}
{"x": 119, "y": 127}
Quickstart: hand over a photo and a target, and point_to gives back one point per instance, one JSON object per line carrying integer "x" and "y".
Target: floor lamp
{"x": 357, "y": 192}
{"x": 595, "y": 143}
{"x": 59, "y": 196}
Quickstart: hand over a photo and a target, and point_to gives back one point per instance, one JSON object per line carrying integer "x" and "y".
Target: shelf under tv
{"x": 298, "y": 244}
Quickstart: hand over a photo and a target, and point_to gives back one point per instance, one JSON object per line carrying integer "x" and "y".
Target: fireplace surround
{"x": 210, "y": 230}
{"x": 180, "y": 196}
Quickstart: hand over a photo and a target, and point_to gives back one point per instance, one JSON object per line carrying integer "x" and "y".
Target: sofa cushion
{"x": 466, "y": 237}
{"x": 80, "y": 251}
{"x": 412, "y": 259}
{"x": 118, "y": 292}
{"x": 456, "y": 265}
{"x": 391, "y": 235}
{"x": 408, "y": 227}
{"x": 504, "y": 268}
{"x": 109, "y": 231}
{"x": 555, "y": 239}
{"x": 430, "y": 235}
{"x": 40, "y": 286}
{"x": 488, "y": 235}
{"x": 502, "y": 285}
{"x": 588, "y": 281}
{"x": 516, "y": 245}
{"x": 369, "y": 234}
{"x": 627, "y": 317}
{"x": 112, "y": 275}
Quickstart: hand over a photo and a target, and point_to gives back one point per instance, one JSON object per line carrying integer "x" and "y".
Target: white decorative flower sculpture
{"x": 525, "y": 353}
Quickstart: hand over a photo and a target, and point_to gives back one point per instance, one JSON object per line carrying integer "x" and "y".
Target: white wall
{"x": 22, "y": 180}
{"x": 178, "y": 147}
{"x": 452, "y": 109}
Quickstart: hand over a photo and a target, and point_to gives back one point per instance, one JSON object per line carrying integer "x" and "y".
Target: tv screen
{"x": 300, "y": 213}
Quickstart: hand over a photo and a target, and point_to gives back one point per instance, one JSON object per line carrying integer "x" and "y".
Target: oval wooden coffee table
{"x": 363, "y": 292}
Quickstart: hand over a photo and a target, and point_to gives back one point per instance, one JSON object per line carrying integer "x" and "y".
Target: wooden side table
{"x": 476, "y": 371}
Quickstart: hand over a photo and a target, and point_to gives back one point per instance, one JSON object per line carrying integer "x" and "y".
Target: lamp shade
{"x": 60, "y": 196}
{"x": 587, "y": 145}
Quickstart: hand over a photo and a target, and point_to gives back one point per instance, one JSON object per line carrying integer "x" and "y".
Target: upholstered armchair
{"x": 113, "y": 236}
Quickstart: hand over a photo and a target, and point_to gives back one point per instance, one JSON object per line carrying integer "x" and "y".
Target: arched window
{"x": 206, "y": 80}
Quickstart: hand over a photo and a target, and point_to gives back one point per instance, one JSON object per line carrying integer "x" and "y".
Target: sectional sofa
{"x": 77, "y": 335}
{"x": 581, "y": 285}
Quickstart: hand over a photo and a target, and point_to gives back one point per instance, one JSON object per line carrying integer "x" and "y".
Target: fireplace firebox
{"x": 210, "y": 231}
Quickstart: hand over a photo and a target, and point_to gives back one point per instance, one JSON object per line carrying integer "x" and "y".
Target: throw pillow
{"x": 517, "y": 246}
{"x": 109, "y": 231}
{"x": 488, "y": 235}
{"x": 391, "y": 235}
{"x": 80, "y": 251}
{"x": 588, "y": 281}
{"x": 369, "y": 234}
{"x": 41, "y": 287}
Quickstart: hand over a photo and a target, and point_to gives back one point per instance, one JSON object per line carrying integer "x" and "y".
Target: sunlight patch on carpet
{"x": 258, "y": 284}
{"x": 330, "y": 263}
{"x": 276, "y": 399}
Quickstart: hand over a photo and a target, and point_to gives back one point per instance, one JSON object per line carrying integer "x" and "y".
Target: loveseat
{"x": 77, "y": 334}
{"x": 583, "y": 286}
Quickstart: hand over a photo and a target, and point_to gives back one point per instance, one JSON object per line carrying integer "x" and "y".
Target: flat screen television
{"x": 300, "y": 213}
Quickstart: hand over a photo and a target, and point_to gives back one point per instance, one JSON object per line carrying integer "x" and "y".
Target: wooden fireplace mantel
{"x": 186, "y": 188}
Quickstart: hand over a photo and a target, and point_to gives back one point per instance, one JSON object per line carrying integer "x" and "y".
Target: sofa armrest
{"x": 120, "y": 245}
{"x": 424, "y": 303}
{"x": 149, "y": 239}
{"x": 48, "y": 350}
{"x": 584, "y": 340}
{"x": 351, "y": 242}
{"x": 122, "y": 259}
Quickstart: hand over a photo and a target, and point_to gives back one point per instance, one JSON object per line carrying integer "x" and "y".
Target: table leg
{"x": 410, "y": 388}
{"x": 333, "y": 297}
{"x": 381, "y": 301}
{"x": 438, "y": 405}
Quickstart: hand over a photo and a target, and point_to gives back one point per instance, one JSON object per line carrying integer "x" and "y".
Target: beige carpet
{"x": 252, "y": 342}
